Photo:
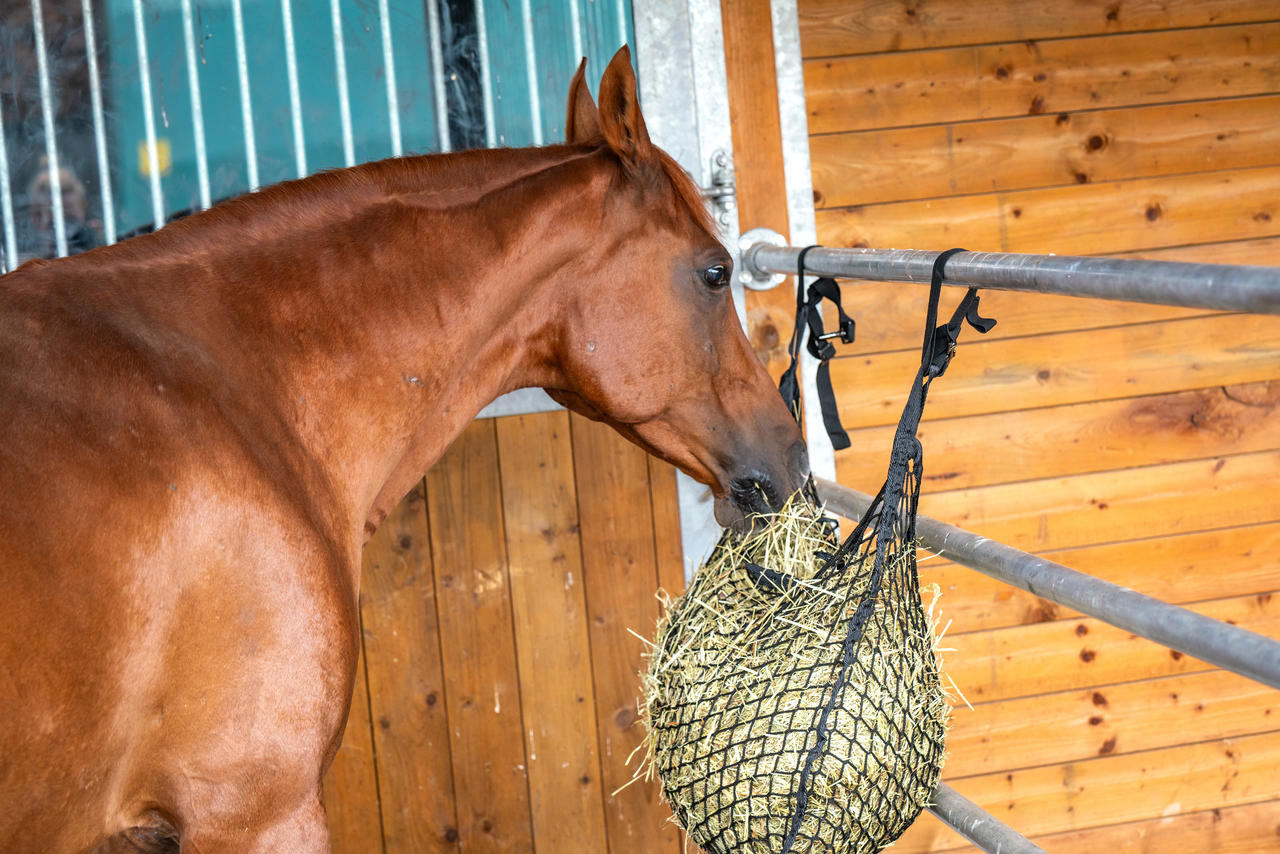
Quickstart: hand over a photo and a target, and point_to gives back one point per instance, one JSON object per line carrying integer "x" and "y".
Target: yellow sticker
{"x": 164, "y": 157}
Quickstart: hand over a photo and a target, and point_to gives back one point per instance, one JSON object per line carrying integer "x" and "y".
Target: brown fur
{"x": 203, "y": 425}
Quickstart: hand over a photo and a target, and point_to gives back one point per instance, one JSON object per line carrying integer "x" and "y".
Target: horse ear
{"x": 620, "y": 118}
{"x": 582, "y": 122}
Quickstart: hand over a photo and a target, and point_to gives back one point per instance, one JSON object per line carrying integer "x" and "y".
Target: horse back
{"x": 163, "y": 588}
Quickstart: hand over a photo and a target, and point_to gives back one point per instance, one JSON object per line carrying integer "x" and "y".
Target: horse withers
{"x": 202, "y": 426}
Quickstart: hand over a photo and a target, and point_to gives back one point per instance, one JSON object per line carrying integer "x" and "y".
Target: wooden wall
{"x": 1137, "y": 443}
{"x": 496, "y": 702}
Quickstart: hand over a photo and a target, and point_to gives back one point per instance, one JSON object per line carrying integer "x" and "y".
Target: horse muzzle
{"x": 759, "y": 490}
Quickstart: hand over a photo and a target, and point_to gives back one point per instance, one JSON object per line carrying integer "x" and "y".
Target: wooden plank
{"x": 1068, "y": 655}
{"x": 867, "y": 167}
{"x": 619, "y": 575}
{"x": 1087, "y": 219}
{"x": 482, "y": 687}
{"x": 757, "y": 154}
{"x": 1178, "y": 568}
{"x": 351, "y": 784}
{"x": 402, "y": 651}
{"x": 668, "y": 547}
{"x": 891, "y": 314}
{"x": 1055, "y": 729}
{"x": 1031, "y": 444}
{"x": 553, "y": 650}
{"x": 1067, "y": 368}
{"x": 1061, "y": 513}
{"x": 1035, "y": 77}
{"x": 1115, "y": 789}
{"x": 845, "y": 27}
{"x": 1249, "y": 829}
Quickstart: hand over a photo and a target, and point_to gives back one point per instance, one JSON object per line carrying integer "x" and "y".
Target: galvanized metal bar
{"x": 575, "y": 21}
{"x": 1218, "y": 643}
{"x": 437, "y": 75}
{"x": 148, "y": 118}
{"x": 531, "y": 67}
{"x": 10, "y": 259}
{"x": 389, "y": 71}
{"x": 99, "y": 123}
{"x": 1214, "y": 286}
{"x": 798, "y": 178}
{"x": 50, "y": 132}
{"x": 246, "y": 103}
{"x": 486, "y": 78}
{"x": 344, "y": 95}
{"x": 197, "y": 106}
{"x": 977, "y": 825}
{"x": 295, "y": 97}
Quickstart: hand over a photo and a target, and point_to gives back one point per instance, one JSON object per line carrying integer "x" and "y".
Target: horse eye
{"x": 716, "y": 276}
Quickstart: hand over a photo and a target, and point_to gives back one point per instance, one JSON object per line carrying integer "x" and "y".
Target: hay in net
{"x": 772, "y": 727}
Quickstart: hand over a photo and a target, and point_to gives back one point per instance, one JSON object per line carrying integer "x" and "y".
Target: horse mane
{"x": 316, "y": 199}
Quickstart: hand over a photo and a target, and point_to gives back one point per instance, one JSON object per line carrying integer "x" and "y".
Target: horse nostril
{"x": 754, "y": 493}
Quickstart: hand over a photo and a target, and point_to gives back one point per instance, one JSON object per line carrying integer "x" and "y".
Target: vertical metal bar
{"x": 531, "y": 68}
{"x": 344, "y": 97}
{"x": 10, "y": 260}
{"x": 621, "y": 7}
{"x": 246, "y": 106}
{"x": 575, "y": 22}
{"x": 789, "y": 72}
{"x": 197, "y": 108}
{"x": 389, "y": 67}
{"x": 149, "y": 122}
{"x": 50, "y": 134}
{"x": 437, "y": 75}
{"x": 99, "y": 124}
{"x": 486, "y": 81}
{"x": 295, "y": 98}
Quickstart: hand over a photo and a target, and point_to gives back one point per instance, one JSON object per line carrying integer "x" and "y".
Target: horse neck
{"x": 357, "y": 347}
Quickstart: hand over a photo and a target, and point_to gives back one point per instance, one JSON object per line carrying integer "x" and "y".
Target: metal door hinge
{"x": 723, "y": 193}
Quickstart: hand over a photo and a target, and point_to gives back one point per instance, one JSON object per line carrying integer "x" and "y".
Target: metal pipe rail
{"x": 1214, "y": 286}
{"x": 977, "y": 825}
{"x": 1210, "y": 640}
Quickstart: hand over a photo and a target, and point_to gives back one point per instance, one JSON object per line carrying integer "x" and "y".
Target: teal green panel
{"x": 414, "y": 88}
{"x": 508, "y": 74}
{"x": 553, "y": 37}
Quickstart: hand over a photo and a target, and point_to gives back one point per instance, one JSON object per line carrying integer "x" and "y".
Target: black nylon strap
{"x": 809, "y": 318}
{"x": 887, "y": 509}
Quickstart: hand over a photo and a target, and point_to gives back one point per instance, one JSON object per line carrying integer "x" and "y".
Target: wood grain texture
{"x": 620, "y": 576}
{"x": 845, "y": 27}
{"x": 351, "y": 784}
{"x": 757, "y": 155}
{"x": 1177, "y": 568}
{"x": 668, "y": 547}
{"x": 1116, "y": 789}
{"x": 1249, "y": 829}
{"x": 1087, "y": 219}
{"x": 1032, "y": 444}
{"x": 1069, "y": 655}
{"x": 1115, "y": 506}
{"x": 1055, "y": 729}
{"x": 553, "y": 649}
{"x": 1040, "y": 77}
{"x": 1067, "y": 368}
{"x": 481, "y": 682}
{"x": 411, "y": 732}
{"x": 867, "y": 167}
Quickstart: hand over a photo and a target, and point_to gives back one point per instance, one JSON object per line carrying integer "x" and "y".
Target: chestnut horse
{"x": 202, "y": 426}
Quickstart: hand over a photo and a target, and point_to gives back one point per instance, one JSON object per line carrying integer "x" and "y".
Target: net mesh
{"x": 793, "y": 694}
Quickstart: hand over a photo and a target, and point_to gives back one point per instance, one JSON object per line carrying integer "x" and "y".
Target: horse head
{"x": 653, "y": 346}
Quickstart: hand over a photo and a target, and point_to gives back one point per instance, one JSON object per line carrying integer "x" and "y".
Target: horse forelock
{"x": 687, "y": 194}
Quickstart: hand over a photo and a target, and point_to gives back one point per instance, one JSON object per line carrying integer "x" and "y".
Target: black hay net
{"x": 794, "y": 697}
